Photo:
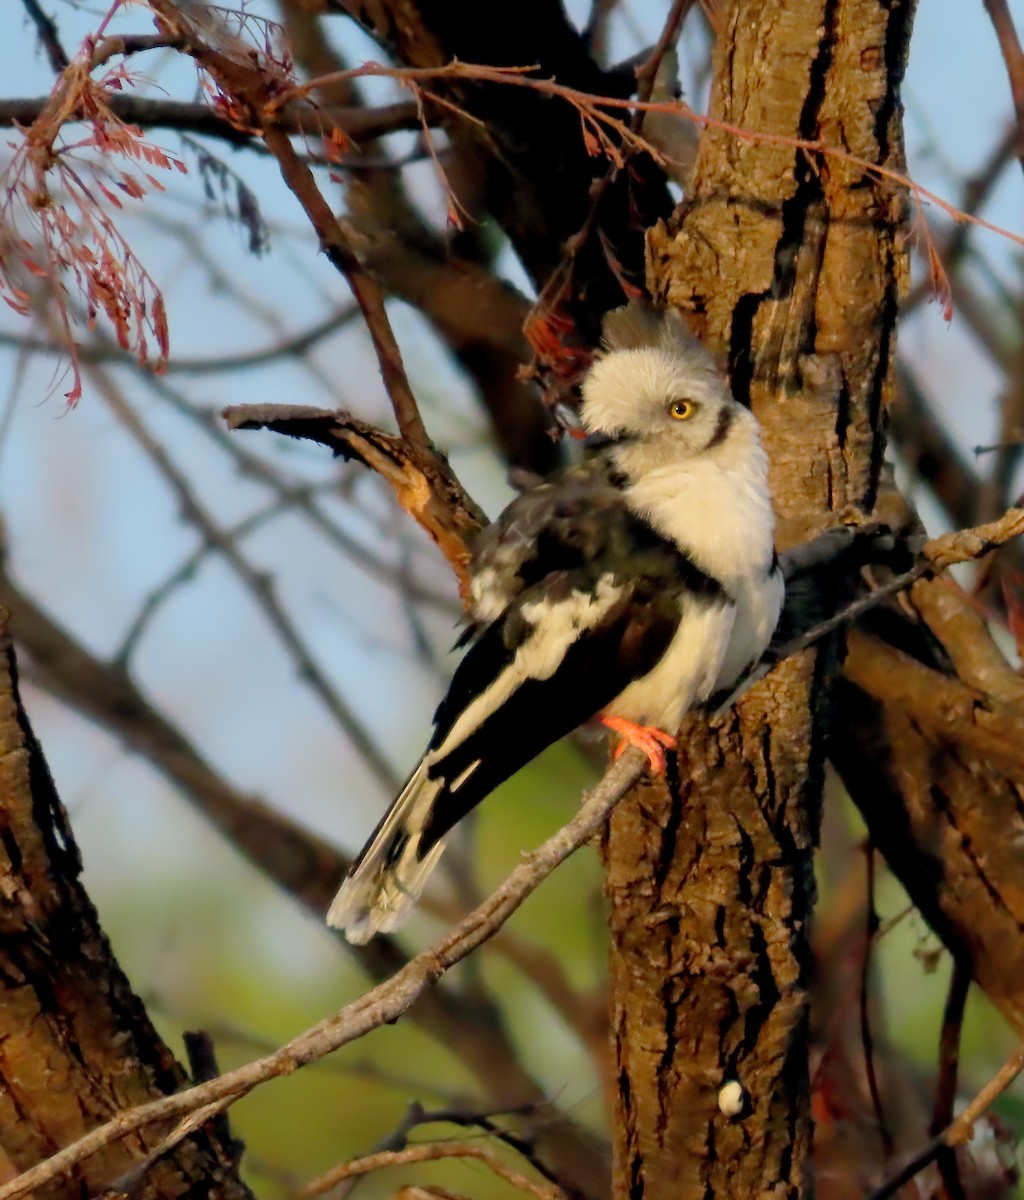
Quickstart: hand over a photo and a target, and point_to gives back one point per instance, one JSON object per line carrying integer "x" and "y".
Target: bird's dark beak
{"x": 601, "y": 441}
{"x": 597, "y": 441}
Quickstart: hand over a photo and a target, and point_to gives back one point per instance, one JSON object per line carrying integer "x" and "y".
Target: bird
{"x": 630, "y": 586}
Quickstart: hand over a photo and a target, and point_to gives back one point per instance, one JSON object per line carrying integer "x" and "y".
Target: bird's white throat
{"x": 716, "y": 509}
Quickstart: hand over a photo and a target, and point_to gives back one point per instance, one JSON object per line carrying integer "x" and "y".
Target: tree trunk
{"x": 791, "y": 262}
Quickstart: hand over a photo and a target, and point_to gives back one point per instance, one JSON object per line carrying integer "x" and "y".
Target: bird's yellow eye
{"x": 681, "y": 410}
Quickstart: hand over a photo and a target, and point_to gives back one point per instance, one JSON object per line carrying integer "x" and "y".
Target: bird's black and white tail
{"x": 386, "y": 879}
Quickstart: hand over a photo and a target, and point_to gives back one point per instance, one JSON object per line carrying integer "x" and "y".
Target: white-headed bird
{"x": 629, "y": 588}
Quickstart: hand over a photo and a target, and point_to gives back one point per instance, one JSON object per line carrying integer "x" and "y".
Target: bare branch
{"x": 337, "y": 243}
{"x": 381, "y": 1005}
{"x": 49, "y": 38}
{"x": 427, "y": 1152}
{"x": 968, "y": 544}
{"x": 123, "y": 45}
{"x": 103, "y": 351}
{"x": 936, "y": 556}
{"x": 958, "y": 1131}
{"x": 421, "y": 479}
{"x": 864, "y": 1007}
{"x": 1013, "y": 56}
{"x": 188, "y": 567}
{"x": 254, "y": 90}
{"x": 357, "y": 124}
{"x": 949, "y": 1065}
{"x": 647, "y": 71}
{"x": 127, "y": 1183}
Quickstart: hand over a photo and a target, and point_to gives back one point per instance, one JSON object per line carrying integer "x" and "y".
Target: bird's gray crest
{"x": 640, "y": 326}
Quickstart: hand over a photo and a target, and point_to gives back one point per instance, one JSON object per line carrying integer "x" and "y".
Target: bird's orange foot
{"x": 648, "y": 738}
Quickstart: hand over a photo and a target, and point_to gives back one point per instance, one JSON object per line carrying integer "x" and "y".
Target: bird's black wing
{"x": 499, "y": 714}
{"x": 559, "y": 525}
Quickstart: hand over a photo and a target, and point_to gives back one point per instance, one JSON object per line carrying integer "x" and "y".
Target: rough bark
{"x": 76, "y": 1045}
{"x": 791, "y": 263}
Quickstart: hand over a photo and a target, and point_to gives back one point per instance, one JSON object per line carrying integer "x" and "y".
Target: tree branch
{"x": 49, "y": 37}
{"x": 421, "y": 479}
{"x": 1013, "y": 56}
{"x": 77, "y": 1042}
{"x": 960, "y": 1130}
{"x": 357, "y": 124}
{"x": 426, "y": 1152}
{"x": 937, "y": 555}
{"x": 381, "y": 1005}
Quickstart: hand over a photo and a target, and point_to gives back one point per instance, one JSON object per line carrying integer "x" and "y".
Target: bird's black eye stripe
{"x": 601, "y": 441}
{"x": 721, "y": 428}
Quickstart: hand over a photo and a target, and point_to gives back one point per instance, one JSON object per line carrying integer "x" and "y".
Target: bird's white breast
{"x": 718, "y": 511}
{"x": 758, "y": 606}
{"x": 687, "y": 672}
{"x": 720, "y": 518}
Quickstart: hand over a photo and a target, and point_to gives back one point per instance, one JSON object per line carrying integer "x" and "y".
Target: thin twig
{"x": 189, "y": 565}
{"x": 949, "y": 1044}
{"x": 380, "y": 1006}
{"x": 357, "y": 124}
{"x": 949, "y": 1063}
{"x": 337, "y": 245}
{"x": 291, "y": 346}
{"x": 592, "y": 108}
{"x": 647, "y": 72}
{"x": 956, "y": 1133}
{"x": 867, "y": 1040}
{"x": 486, "y": 1122}
{"x": 427, "y": 1152}
{"x": 416, "y": 1116}
{"x": 127, "y": 1183}
{"x": 123, "y": 45}
{"x": 975, "y": 192}
{"x": 254, "y": 90}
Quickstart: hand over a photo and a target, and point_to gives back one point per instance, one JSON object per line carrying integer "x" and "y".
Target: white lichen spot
{"x": 731, "y": 1098}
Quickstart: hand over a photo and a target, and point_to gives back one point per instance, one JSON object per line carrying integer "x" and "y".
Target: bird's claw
{"x": 648, "y": 738}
